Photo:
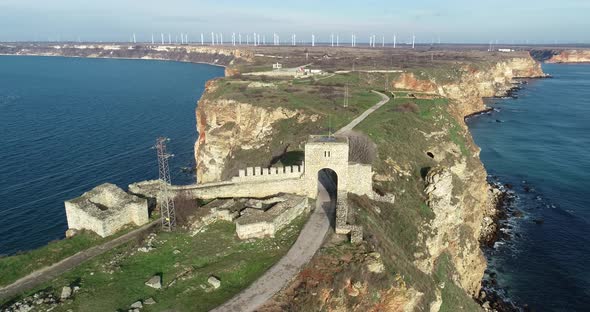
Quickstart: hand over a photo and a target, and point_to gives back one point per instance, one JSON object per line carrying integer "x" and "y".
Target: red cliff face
{"x": 571, "y": 56}
{"x": 468, "y": 90}
{"x": 409, "y": 82}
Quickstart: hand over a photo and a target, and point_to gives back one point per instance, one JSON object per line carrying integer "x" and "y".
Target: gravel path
{"x": 46, "y": 274}
{"x": 356, "y": 121}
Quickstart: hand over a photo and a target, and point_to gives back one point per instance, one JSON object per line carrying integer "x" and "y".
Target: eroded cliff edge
{"x": 562, "y": 56}
{"x": 429, "y": 237}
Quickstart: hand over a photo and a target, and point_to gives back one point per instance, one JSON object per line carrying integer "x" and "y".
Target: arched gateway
{"x": 331, "y": 152}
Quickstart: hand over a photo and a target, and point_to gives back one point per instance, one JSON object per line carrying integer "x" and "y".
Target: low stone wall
{"x": 254, "y": 189}
{"x": 342, "y": 226}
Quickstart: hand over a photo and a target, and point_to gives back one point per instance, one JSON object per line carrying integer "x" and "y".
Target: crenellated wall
{"x": 269, "y": 174}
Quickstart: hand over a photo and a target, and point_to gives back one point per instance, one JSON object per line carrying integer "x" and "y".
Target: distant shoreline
{"x": 117, "y": 58}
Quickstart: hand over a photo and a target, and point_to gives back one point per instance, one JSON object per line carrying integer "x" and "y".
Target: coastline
{"x": 486, "y": 110}
{"x": 118, "y": 58}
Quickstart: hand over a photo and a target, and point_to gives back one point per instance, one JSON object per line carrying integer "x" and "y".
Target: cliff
{"x": 458, "y": 192}
{"x": 234, "y": 135}
{"x": 428, "y": 238}
{"x": 473, "y": 83}
{"x": 570, "y": 56}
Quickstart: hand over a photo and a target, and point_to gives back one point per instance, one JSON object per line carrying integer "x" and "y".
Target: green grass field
{"x": 17, "y": 266}
{"x": 114, "y": 280}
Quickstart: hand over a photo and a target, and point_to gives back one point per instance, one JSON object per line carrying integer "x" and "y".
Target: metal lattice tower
{"x": 346, "y": 96}
{"x": 167, "y": 203}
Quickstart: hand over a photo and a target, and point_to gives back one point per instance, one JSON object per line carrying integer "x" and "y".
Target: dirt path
{"x": 356, "y": 121}
{"x": 48, "y": 273}
{"x": 309, "y": 241}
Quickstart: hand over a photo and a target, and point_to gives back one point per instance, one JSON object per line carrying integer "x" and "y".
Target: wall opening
{"x": 328, "y": 180}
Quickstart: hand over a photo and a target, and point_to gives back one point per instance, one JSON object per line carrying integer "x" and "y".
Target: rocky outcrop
{"x": 570, "y": 56}
{"x": 456, "y": 225}
{"x": 226, "y": 126}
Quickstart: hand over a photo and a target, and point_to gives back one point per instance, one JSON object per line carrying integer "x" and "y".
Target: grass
{"x": 14, "y": 267}
{"x": 114, "y": 280}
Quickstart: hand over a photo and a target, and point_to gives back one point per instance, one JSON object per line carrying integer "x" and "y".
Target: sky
{"x": 453, "y": 21}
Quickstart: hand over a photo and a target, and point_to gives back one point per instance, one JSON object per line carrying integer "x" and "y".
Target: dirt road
{"x": 48, "y": 273}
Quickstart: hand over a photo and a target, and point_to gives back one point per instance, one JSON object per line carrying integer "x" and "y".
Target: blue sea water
{"x": 69, "y": 124}
{"x": 540, "y": 145}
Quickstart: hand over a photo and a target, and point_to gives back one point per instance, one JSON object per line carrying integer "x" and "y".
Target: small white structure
{"x": 277, "y": 66}
{"x": 106, "y": 209}
{"x": 505, "y": 50}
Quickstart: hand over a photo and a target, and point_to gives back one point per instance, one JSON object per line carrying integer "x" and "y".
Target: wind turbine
{"x": 332, "y": 39}
{"x": 202, "y": 39}
{"x": 337, "y": 40}
{"x": 394, "y": 39}
{"x": 413, "y": 40}
{"x": 312, "y": 40}
{"x": 162, "y": 38}
{"x": 169, "y": 38}
{"x": 152, "y": 38}
{"x": 134, "y": 40}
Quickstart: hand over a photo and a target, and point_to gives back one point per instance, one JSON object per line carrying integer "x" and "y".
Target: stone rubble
{"x": 214, "y": 281}
{"x": 155, "y": 282}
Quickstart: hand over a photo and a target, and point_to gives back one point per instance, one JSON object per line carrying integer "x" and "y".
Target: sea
{"x": 70, "y": 124}
{"x": 537, "y": 147}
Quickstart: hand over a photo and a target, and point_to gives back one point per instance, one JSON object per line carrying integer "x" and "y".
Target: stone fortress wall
{"x": 321, "y": 152}
{"x": 267, "y": 174}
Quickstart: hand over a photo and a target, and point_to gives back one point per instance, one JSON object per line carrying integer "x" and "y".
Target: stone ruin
{"x": 256, "y": 223}
{"x": 254, "y": 218}
{"x": 106, "y": 209}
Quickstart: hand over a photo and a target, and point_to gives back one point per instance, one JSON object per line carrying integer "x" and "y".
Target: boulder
{"x": 149, "y": 301}
{"x": 66, "y": 292}
{"x": 155, "y": 282}
{"x": 214, "y": 281}
{"x": 136, "y": 305}
{"x": 374, "y": 263}
{"x": 71, "y": 233}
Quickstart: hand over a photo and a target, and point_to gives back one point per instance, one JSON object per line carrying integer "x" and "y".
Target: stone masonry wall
{"x": 362, "y": 175}
{"x": 268, "y": 174}
{"x": 325, "y": 155}
{"x": 258, "y": 189}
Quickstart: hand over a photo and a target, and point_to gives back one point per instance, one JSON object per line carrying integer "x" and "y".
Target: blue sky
{"x": 539, "y": 21}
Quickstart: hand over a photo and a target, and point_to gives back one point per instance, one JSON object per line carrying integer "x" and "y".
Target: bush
{"x": 185, "y": 207}
{"x": 361, "y": 148}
